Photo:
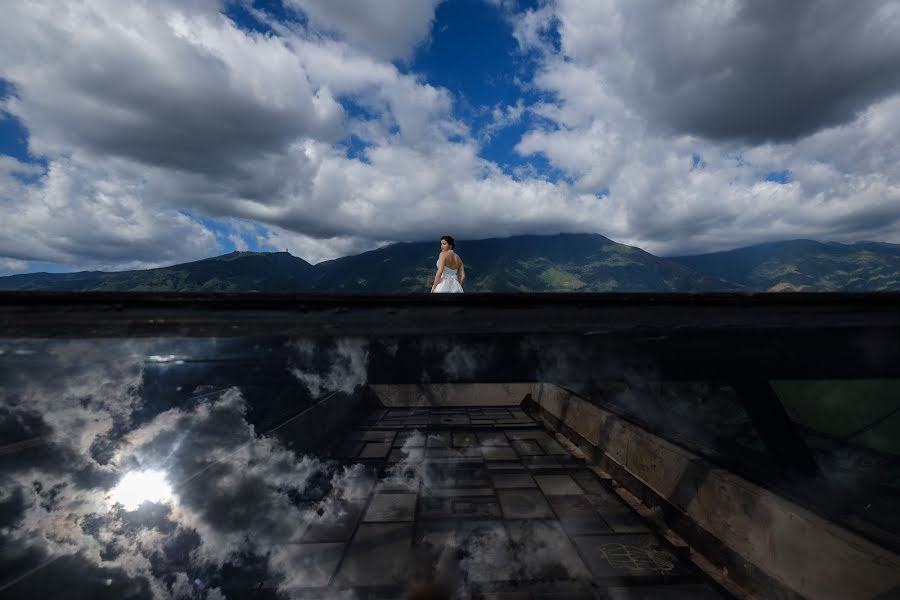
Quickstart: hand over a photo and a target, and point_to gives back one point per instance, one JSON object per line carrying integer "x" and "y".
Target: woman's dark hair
{"x": 450, "y": 240}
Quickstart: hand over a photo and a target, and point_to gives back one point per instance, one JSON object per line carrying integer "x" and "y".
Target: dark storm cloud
{"x": 772, "y": 71}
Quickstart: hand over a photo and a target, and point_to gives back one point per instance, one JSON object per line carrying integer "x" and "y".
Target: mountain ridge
{"x": 526, "y": 263}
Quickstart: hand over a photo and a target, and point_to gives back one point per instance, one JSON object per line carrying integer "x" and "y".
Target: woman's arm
{"x": 440, "y": 271}
{"x": 462, "y": 272}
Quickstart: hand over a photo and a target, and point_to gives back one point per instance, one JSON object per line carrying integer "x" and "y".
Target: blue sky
{"x": 13, "y": 137}
{"x": 151, "y": 135}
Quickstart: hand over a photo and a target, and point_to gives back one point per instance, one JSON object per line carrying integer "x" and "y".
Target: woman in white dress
{"x": 450, "y": 271}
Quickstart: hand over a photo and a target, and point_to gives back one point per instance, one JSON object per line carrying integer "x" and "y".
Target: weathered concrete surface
{"x": 449, "y": 394}
{"x": 800, "y": 550}
{"x": 52, "y": 314}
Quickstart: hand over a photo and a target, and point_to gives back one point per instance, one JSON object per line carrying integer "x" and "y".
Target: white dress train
{"x": 448, "y": 284}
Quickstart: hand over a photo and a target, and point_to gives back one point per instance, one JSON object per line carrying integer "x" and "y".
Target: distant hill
{"x": 804, "y": 265}
{"x": 525, "y": 263}
{"x": 234, "y": 272}
{"x": 565, "y": 262}
{"x": 528, "y": 263}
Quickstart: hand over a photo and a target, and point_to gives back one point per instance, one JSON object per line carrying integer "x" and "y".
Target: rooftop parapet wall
{"x": 788, "y": 549}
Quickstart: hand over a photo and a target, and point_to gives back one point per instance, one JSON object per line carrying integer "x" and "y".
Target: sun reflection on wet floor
{"x": 138, "y": 487}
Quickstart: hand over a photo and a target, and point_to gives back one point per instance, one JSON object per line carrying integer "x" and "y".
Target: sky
{"x": 143, "y": 134}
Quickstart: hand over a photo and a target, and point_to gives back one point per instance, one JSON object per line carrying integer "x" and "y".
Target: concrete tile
{"x": 512, "y": 480}
{"x": 457, "y": 492}
{"x": 498, "y": 453}
{"x": 570, "y": 462}
{"x": 629, "y": 555}
{"x": 413, "y": 454}
{"x": 618, "y": 515}
{"x": 410, "y": 439}
{"x": 558, "y": 485}
{"x": 586, "y": 525}
{"x": 504, "y": 466}
{"x": 375, "y": 450}
{"x": 348, "y": 449}
{"x": 391, "y": 507}
{"x": 578, "y": 516}
{"x": 527, "y": 448}
{"x": 307, "y": 565}
{"x": 336, "y": 524}
{"x": 373, "y": 436}
{"x": 524, "y": 504}
{"x": 551, "y": 446}
{"x": 544, "y": 552}
{"x": 493, "y": 438}
{"x": 534, "y": 434}
{"x": 378, "y": 555}
{"x": 577, "y": 505}
{"x": 697, "y": 591}
{"x": 450, "y": 420}
{"x": 465, "y": 439}
{"x": 590, "y": 482}
{"x": 475, "y": 551}
{"x": 440, "y": 439}
{"x": 459, "y": 508}
{"x": 453, "y": 476}
{"x": 536, "y": 463}
{"x": 399, "y": 413}
{"x": 486, "y": 551}
{"x": 441, "y": 452}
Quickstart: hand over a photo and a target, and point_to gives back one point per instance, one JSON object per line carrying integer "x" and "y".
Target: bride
{"x": 448, "y": 265}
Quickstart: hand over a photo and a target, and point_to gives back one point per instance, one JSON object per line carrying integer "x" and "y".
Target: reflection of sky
{"x": 160, "y": 468}
{"x": 125, "y": 476}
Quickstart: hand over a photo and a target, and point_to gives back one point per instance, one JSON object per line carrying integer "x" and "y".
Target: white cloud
{"x": 229, "y": 482}
{"x": 844, "y": 183}
{"x": 154, "y": 117}
{"x": 387, "y": 29}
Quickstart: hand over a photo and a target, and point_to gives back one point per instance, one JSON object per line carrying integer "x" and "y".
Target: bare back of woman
{"x": 450, "y": 270}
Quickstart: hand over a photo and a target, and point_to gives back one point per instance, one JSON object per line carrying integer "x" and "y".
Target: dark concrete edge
{"x": 741, "y": 573}
{"x": 258, "y": 300}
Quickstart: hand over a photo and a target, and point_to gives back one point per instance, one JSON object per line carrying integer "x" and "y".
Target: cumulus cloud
{"x": 390, "y": 29}
{"x": 630, "y": 85}
{"x": 239, "y": 498}
{"x": 169, "y": 132}
{"x": 158, "y": 85}
{"x": 740, "y": 69}
{"x": 344, "y": 368}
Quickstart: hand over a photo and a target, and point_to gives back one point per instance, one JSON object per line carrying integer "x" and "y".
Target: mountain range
{"x": 527, "y": 263}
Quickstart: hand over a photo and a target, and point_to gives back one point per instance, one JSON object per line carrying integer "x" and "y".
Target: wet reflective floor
{"x": 186, "y": 469}
{"x": 482, "y": 502}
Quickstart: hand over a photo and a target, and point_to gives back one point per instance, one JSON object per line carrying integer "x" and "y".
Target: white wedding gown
{"x": 448, "y": 284}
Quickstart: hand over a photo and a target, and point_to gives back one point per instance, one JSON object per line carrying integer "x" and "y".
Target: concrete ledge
{"x": 452, "y": 394}
{"x": 775, "y": 548}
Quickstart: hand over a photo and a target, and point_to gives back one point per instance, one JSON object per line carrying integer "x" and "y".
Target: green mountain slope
{"x": 235, "y": 272}
{"x": 805, "y": 264}
{"x": 530, "y": 263}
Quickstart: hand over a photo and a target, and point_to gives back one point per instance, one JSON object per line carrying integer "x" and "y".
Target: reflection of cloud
{"x": 239, "y": 499}
{"x": 412, "y": 468}
{"x": 340, "y": 368}
{"x": 461, "y": 361}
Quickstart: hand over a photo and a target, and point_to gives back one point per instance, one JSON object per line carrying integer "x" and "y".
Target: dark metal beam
{"x": 781, "y": 437}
